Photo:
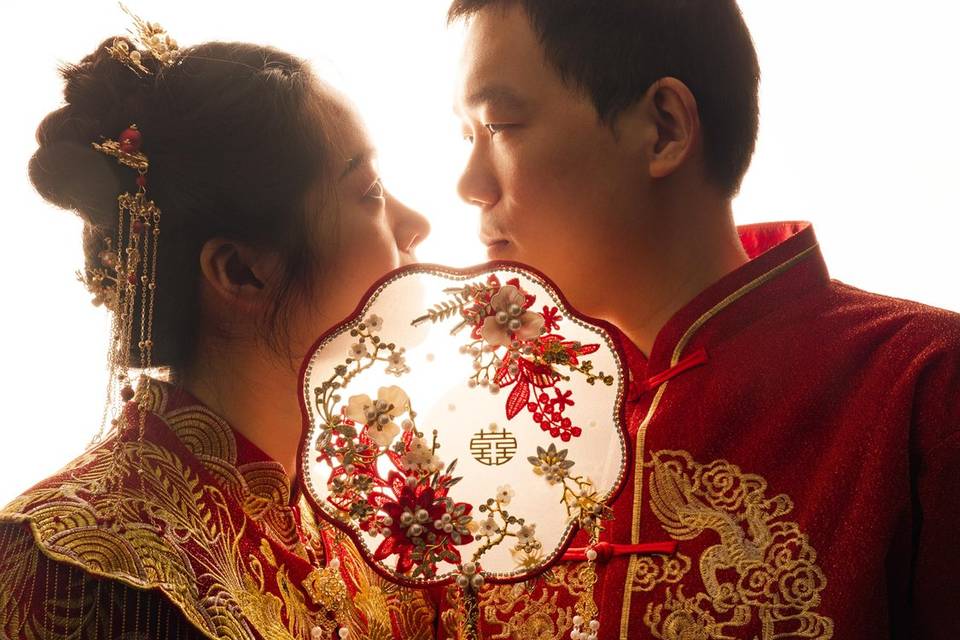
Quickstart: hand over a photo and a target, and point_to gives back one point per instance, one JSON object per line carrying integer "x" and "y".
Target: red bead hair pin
{"x": 126, "y": 150}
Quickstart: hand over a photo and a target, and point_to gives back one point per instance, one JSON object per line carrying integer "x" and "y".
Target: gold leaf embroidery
{"x": 166, "y": 528}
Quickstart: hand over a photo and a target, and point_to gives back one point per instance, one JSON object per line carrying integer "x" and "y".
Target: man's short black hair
{"x": 615, "y": 50}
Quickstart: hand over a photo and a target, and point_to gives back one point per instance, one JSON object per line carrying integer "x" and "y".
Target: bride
{"x": 232, "y": 212}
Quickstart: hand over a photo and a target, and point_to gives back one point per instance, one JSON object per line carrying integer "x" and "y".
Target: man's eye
{"x": 376, "y": 190}
{"x": 494, "y": 129}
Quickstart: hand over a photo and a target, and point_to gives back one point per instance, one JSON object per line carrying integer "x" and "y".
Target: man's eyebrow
{"x": 495, "y": 96}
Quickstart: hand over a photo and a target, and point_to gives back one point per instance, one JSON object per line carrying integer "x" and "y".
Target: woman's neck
{"x": 256, "y": 393}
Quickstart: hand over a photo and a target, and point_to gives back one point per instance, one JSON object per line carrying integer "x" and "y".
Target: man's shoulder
{"x": 846, "y": 308}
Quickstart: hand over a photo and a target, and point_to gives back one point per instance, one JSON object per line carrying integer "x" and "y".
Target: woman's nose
{"x": 410, "y": 227}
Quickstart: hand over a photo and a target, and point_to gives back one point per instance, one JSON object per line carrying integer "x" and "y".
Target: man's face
{"x": 557, "y": 188}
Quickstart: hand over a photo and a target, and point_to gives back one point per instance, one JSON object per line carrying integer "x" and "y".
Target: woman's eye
{"x": 494, "y": 129}
{"x": 376, "y": 190}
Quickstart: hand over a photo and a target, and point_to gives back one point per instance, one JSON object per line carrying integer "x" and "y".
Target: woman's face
{"x": 366, "y": 232}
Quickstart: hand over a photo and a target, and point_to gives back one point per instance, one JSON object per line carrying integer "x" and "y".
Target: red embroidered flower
{"x": 422, "y": 524}
{"x": 563, "y": 399}
{"x": 551, "y": 318}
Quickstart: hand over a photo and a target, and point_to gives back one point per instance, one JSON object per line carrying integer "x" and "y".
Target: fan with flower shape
{"x": 462, "y": 424}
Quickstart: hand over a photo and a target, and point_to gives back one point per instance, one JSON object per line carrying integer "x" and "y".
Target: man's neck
{"x": 672, "y": 271}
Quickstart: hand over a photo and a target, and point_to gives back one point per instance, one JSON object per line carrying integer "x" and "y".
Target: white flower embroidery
{"x": 488, "y": 528}
{"x": 374, "y": 323}
{"x": 397, "y": 363}
{"x": 504, "y": 494}
{"x": 358, "y": 350}
{"x": 526, "y": 533}
{"x": 378, "y": 414}
{"x": 420, "y": 457}
{"x": 509, "y": 318}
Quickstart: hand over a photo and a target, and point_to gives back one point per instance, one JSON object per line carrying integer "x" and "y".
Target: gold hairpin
{"x": 151, "y": 39}
{"x": 120, "y": 151}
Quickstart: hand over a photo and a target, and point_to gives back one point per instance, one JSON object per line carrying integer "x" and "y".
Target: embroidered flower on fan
{"x": 358, "y": 350}
{"x": 488, "y": 528}
{"x": 397, "y": 363}
{"x": 510, "y": 318}
{"x": 378, "y": 414}
{"x": 551, "y": 463}
{"x": 420, "y": 457}
{"x": 526, "y": 538}
{"x": 504, "y": 494}
{"x": 551, "y": 318}
{"x": 374, "y": 323}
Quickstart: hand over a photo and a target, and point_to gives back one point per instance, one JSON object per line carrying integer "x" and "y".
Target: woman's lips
{"x": 497, "y": 248}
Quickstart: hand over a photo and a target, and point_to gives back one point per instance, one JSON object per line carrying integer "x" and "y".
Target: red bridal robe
{"x": 191, "y": 533}
{"x": 798, "y": 440}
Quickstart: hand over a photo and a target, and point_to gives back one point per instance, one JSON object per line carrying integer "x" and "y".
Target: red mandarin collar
{"x": 247, "y": 452}
{"x": 785, "y": 261}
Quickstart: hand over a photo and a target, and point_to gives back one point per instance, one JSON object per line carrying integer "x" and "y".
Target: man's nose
{"x": 478, "y": 185}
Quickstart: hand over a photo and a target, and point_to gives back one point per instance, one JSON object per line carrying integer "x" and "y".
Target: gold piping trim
{"x": 642, "y": 429}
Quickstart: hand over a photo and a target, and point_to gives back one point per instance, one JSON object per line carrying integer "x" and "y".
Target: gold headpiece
{"x": 151, "y": 39}
{"x": 126, "y": 279}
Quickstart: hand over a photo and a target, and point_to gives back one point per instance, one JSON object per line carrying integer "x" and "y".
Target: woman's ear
{"x": 237, "y": 276}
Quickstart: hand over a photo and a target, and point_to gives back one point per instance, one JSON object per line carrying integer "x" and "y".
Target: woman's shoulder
{"x": 101, "y": 521}
{"x": 42, "y": 596}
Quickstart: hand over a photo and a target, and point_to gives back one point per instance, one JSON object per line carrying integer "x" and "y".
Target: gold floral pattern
{"x": 763, "y": 573}
{"x": 539, "y": 609}
{"x": 176, "y": 513}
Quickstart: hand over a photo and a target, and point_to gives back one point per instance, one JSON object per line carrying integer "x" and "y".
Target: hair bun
{"x": 102, "y": 88}
{"x": 73, "y": 176}
{"x": 103, "y": 97}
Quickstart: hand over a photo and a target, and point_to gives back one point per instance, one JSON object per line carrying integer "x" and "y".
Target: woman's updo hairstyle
{"x": 235, "y": 146}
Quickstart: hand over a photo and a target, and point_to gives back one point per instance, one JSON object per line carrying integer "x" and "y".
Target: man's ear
{"x": 672, "y": 126}
{"x": 237, "y": 274}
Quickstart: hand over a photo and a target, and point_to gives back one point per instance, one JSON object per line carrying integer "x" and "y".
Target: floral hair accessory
{"x": 151, "y": 40}
{"x": 462, "y": 425}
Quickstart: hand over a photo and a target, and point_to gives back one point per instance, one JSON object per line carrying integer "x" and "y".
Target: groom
{"x": 799, "y": 439}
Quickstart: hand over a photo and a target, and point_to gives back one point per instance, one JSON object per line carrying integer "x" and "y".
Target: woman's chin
{"x": 501, "y": 250}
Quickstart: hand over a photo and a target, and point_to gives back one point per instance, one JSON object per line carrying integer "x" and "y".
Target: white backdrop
{"x": 859, "y": 133}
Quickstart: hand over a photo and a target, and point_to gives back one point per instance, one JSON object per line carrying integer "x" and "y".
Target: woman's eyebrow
{"x": 356, "y": 162}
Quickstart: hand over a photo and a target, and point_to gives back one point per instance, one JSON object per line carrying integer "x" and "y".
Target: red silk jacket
{"x": 798, "y": 441}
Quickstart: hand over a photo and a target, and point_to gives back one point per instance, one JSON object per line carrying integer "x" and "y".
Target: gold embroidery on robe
{"x": 378, "y": 604}
{"x": 762, "y": 572}
{"x": 656, "y": 569}
{"x": 539, "y": 609}
{"x": 150, "y": 522}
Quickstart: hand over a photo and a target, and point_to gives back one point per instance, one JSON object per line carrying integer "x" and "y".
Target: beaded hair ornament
{"x": 126, "y": 279}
